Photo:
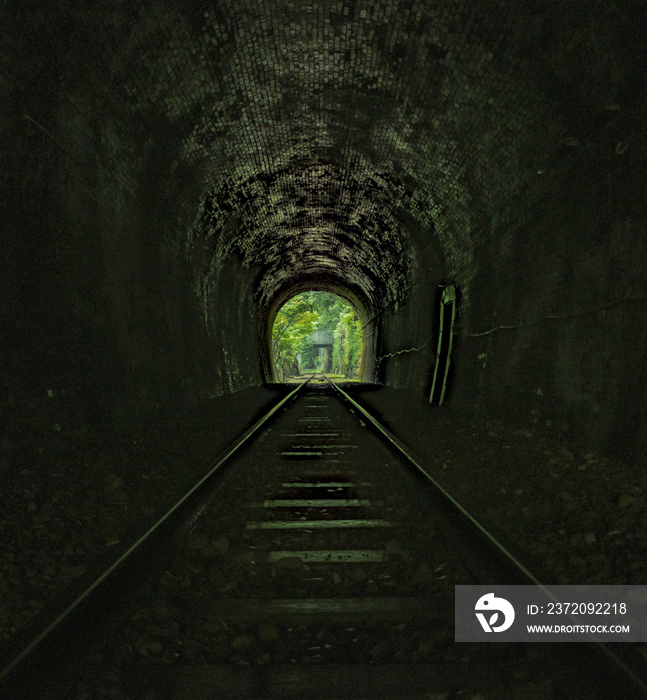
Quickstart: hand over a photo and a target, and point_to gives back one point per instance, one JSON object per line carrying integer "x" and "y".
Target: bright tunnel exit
{"x": 318, "y": 332}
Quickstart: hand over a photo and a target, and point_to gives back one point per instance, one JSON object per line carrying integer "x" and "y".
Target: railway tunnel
{"x": 173, "y": 171}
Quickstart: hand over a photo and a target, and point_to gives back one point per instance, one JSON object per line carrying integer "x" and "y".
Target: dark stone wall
{"x": 553, "y": 331}
{"x": 102, "y": 322}
{"x": 409, "y": 330}
{"x": 558, "y": 334}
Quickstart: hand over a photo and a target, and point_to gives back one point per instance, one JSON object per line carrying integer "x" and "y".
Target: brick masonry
{"x": 170, "y": 170}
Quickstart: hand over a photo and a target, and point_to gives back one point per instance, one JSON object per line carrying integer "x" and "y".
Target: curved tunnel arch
{"x": 175, "y": 167}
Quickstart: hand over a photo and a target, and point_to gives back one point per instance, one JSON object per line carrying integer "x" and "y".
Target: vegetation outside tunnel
{"x": 317, "y": 331}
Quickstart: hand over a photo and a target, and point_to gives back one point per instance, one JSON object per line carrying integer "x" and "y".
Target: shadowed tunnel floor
{"x": 522, "y": 481}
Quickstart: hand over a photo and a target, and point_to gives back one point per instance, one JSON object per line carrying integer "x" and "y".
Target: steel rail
{"x": 638, "y": 683}
{"x": 97, "y": 599}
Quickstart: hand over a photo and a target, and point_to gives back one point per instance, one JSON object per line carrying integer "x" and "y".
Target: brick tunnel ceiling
{"x": 350, "y": 141}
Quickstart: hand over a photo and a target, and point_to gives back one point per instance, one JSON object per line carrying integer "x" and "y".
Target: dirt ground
{"x": 580, "y": 515}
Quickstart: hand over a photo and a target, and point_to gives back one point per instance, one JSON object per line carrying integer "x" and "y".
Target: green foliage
{"x": 347, "y": 347}
{"x": 294, "y": 323}
{"x": 314, "y": 311}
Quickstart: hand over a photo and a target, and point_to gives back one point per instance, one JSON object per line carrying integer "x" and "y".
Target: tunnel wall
{"x": 571, "y": 282}
{"x": 408, "y": 331}
{"x": 508, "y": 135}
{"x": 101, "y": 312}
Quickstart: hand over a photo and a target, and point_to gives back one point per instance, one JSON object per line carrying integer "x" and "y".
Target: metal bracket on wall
{"x": 445, "y": 342}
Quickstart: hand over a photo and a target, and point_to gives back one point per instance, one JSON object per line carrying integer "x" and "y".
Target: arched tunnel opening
{"x": 174, "y": 172}
{"x": 323, "y": 332}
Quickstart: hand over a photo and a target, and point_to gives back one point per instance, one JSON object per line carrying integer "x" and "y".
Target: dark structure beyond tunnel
{"x": 173, "y": 171}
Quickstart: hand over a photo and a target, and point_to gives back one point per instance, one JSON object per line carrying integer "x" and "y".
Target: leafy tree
{"x": 294, "y": 323}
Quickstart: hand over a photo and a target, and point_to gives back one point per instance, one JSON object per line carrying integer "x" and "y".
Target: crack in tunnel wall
{"x": 173, "y": 169}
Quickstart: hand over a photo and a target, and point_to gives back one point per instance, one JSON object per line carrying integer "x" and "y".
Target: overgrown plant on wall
{"x": 301, "y": 317}
{"x": 347, "y": 347}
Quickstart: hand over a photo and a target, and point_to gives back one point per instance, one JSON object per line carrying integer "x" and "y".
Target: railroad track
{"x": 315, "y": 560}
